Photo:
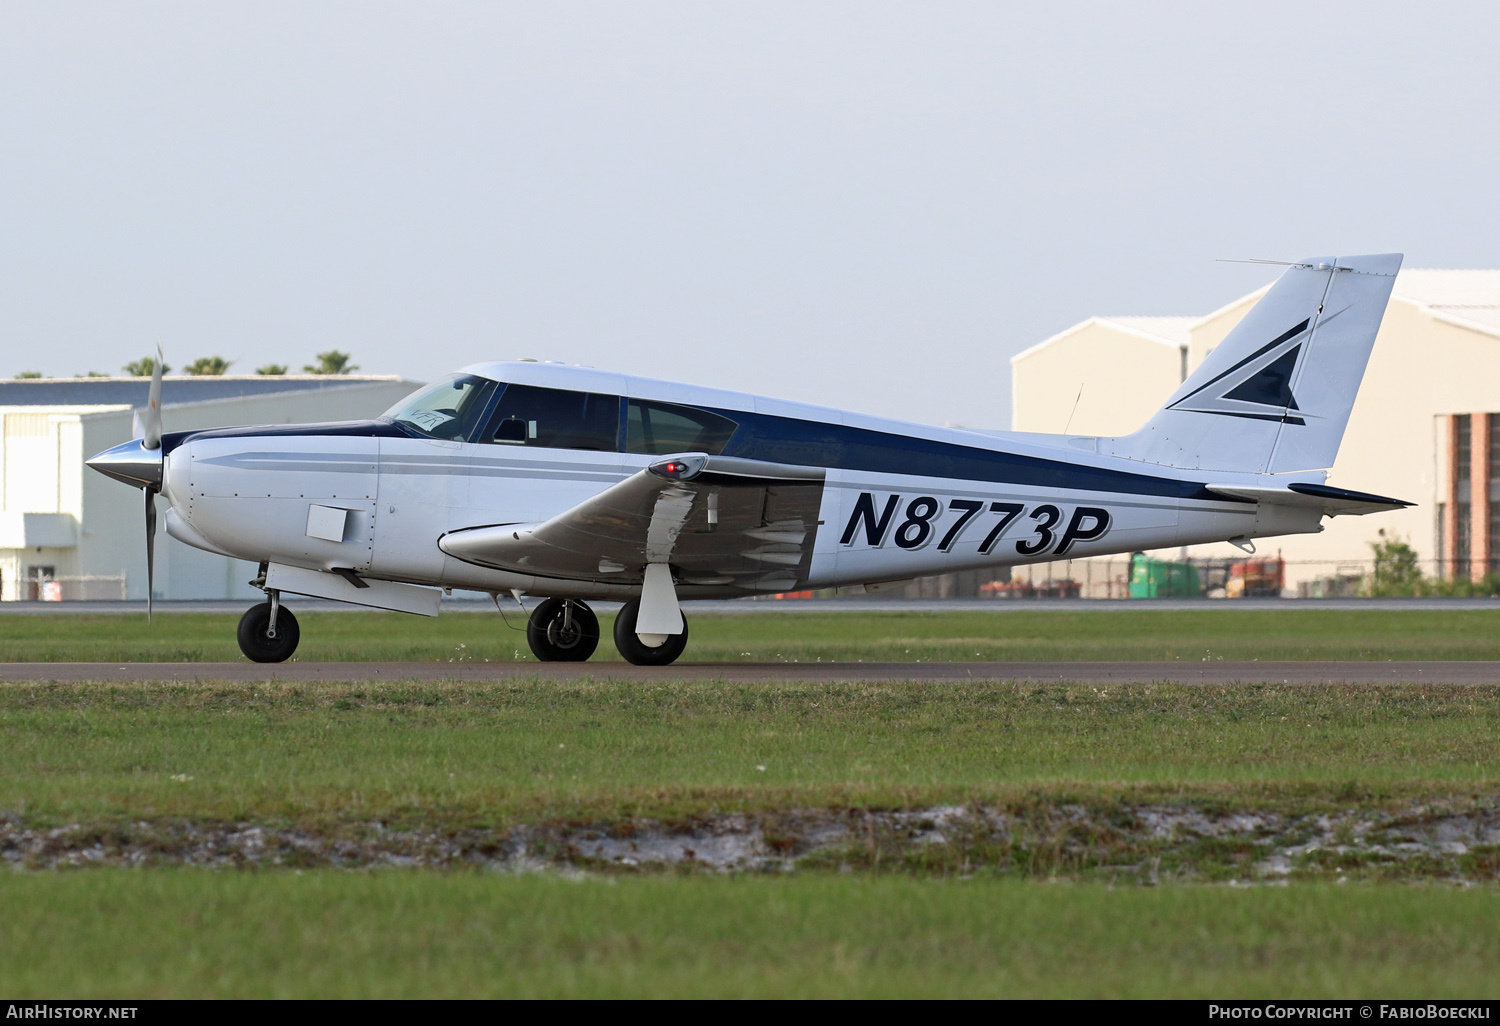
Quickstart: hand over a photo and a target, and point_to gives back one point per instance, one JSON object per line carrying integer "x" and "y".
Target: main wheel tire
{"x": 638, "y": 652}
{"x": 554, "y": 640}
{"x": 254, "y": 641}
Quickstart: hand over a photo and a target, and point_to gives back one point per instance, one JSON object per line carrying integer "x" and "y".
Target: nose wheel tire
{"x": 637, "y": 651}
{"x": 255, "y": 639}
{"x": 562, "y": 631}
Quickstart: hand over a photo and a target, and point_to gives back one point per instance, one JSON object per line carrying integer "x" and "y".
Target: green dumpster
{"x": 1160, "y": 578}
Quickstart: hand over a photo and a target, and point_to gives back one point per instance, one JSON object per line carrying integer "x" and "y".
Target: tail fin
{"x": 1275, "y": 395}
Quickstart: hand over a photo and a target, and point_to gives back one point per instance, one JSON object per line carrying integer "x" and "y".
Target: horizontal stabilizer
{"x": 1334, "y": 502}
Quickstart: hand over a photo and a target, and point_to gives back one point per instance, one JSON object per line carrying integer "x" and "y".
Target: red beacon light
{"x": 677, "y": 469}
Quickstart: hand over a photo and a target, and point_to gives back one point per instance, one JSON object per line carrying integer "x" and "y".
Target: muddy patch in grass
{"x": 1148, "y": 844}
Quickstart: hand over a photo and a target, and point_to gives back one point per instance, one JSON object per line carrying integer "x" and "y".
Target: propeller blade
{"x": 151, "y": 415}
{"x": 150, "y": 548}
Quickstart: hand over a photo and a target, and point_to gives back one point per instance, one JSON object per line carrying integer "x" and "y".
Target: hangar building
{"x": 69, "y": 533}
{"x": 1424, "y": 427}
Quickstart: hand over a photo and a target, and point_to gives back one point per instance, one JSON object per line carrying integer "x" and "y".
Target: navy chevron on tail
{"x": 1275, "y": 396}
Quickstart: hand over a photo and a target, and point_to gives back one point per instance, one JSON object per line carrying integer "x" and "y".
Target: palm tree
{"x": 208, "y": 366}
{"x": 272, "y": 369}
{"x": 331, "y": 362}
{"x": 144, "y": 367}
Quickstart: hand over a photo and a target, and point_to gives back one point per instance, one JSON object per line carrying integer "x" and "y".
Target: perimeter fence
{"x": 67, "y": 588}
{"x": 1137, "y": 577}
{"x": 1153, "y": 576}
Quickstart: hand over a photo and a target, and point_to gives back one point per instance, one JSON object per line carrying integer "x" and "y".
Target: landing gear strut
{"x": 637, "y": 648}
{"x": 562, "y": 631}
{"x": 268, "y": 633}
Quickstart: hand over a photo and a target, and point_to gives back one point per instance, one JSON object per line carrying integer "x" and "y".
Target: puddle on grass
{"x": 1148, "y": 844}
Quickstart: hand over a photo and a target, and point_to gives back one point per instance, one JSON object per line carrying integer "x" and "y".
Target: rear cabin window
{"x": 553, "y": 418}
{"x": 663, "y": 428}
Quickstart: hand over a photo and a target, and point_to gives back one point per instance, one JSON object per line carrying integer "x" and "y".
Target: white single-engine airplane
{"x": 575, "y": 484}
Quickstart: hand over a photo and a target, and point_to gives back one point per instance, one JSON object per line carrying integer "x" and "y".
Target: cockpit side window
{"x": 555, "y": 418}
{"x": 664, "y": 428}
{"x": 450, "y": 409}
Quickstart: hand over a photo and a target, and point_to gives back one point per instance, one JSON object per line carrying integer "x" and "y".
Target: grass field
{"x": 460, "y": 935}
{"x": 494, "y": 752}
{"x": 1030, "y": 913}
{"x": 1009, "y": 634}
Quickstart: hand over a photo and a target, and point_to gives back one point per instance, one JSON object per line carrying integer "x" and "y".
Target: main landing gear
{"x": 562, "y": 631}
{"x": 646, "y": 649}
{"x": 268, "y": 633}
{"x": 567, "y": 631}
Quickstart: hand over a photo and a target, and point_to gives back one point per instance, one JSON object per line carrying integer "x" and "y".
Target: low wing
{"x": 1334, "y": 502}
{"x": 715, "y": 520}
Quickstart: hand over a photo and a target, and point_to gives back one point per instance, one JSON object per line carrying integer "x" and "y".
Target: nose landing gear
{"x": 562, "y": 631}
{"x": 268, "y": 633}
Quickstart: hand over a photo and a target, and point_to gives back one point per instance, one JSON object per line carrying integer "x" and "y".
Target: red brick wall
{"x": 1479, "y": 495}
{"x": 1450, "y": 499}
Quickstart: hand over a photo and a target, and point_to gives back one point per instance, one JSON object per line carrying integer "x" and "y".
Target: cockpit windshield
{"x": 449, "y": 409}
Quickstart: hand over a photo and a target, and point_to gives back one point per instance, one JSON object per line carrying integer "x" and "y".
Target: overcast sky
{"x": 871, "y": 205}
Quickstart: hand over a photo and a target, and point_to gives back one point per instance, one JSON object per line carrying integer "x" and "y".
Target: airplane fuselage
{"x": 897, "y": 501}
{"x": 572, "y": 484}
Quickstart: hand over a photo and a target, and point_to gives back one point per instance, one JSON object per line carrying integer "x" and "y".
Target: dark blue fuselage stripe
{"x": 806, "y": 443}
{"x": 812, "y": 444}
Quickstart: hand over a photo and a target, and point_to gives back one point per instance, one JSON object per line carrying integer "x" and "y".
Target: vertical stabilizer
{"x": 1275, "y": 395}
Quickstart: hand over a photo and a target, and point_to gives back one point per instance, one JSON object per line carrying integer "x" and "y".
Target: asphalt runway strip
{"x": 1214, "y": 672}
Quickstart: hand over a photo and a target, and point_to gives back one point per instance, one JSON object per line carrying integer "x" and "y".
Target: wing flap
{"x": 714, "y": 520}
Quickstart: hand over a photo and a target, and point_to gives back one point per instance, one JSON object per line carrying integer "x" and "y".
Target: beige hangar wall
{"x": 1422, "y": 365}
{"x": 1114, "y": 377}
